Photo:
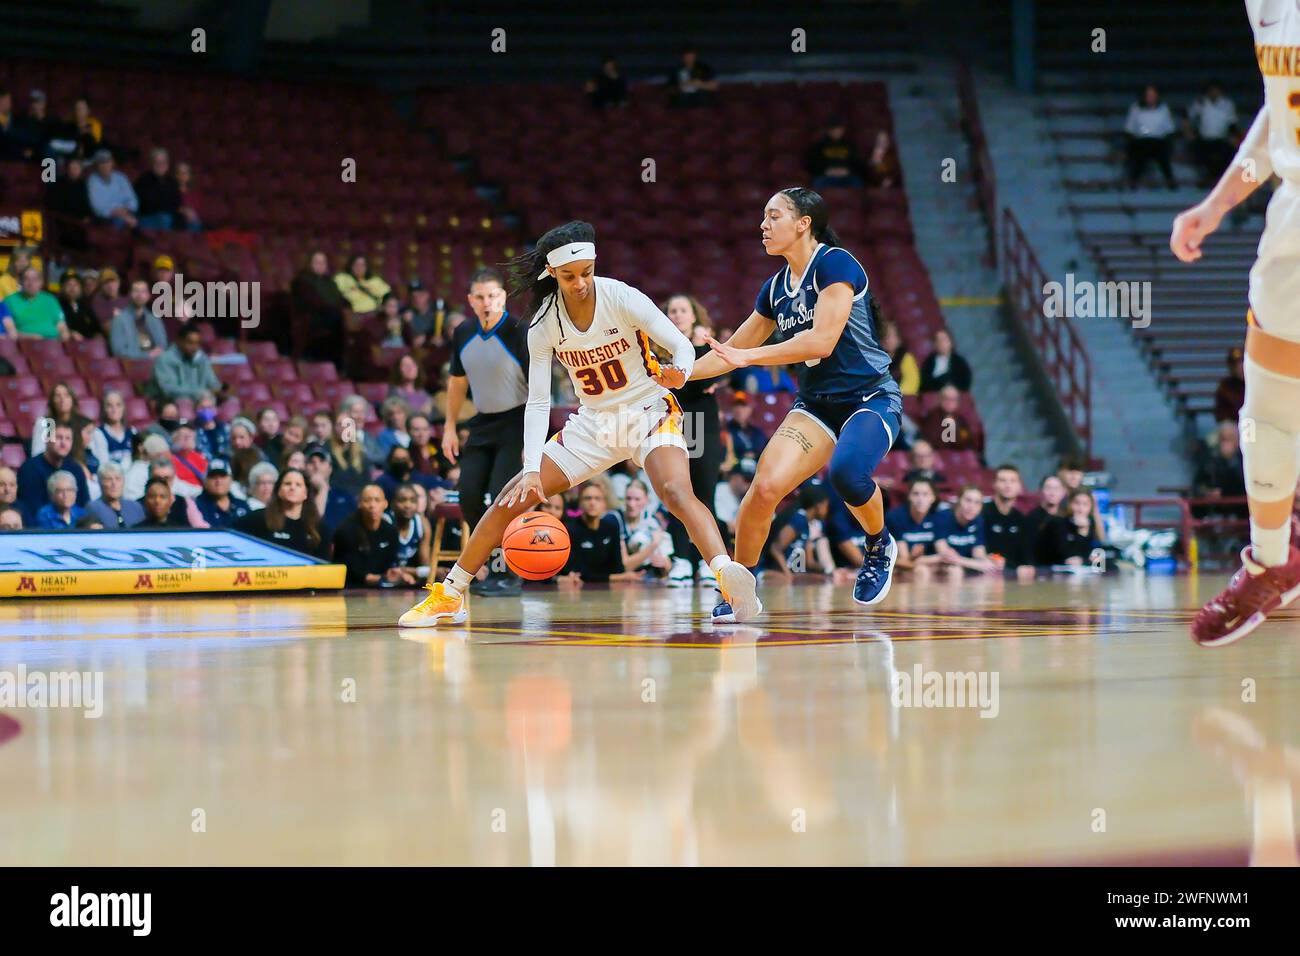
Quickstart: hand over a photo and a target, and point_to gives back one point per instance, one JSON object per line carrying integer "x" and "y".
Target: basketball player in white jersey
{"x": 601, "y": 330}
{"x": 1270, "y": 418}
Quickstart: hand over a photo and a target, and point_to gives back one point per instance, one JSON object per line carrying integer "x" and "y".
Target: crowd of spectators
{"x": 1152, "y": 131}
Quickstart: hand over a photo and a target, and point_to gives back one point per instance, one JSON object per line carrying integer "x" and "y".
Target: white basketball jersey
{"x": 1276, "y": 25}
{"x": 610, "y": 363}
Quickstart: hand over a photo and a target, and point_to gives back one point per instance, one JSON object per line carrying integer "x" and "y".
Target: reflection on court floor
{"x": 615, "y": 726}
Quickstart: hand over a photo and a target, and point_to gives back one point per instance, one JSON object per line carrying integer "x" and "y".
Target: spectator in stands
{"x": 731, "y": 493}
{"x": 1070, "y": 471}
{"x": 316, "y": 296}
{"x": 320, "y": 427}
{"x": 407, "y": 383}
{"x": 36, "y": 313}
{"x": 113, "y": 510}
{"x": 332, "y": 504}
{"x": 145, "y": 448}
{"x": 1006, "y": 528}
{"x": 595, "y": 538}
{"x": 61, "y": 409}
{"x": 945, "y": 424}
{"x": 61, "y": 510}
{"x": 394, "y": 413}
{"x": 347, "y": 453}
{"x": 608, "y": 87}
{"x": 219, "y": 507}
{"x": 82, "y": 455}
{"x": 1149, "y": 132}
{"x": 81, "y": 322}
{"x": 159, "y": 505}
{"x": 9, "y": 330}
{"x": 959, "y": 534}
{"x": 944, "y": 366}
{"x": 288, "y": 439}
{"x": 883, "y": 168}
{"x": 243, "y": 435}
{"x": 922, "y": 460}
{"x": 647, "y": 546}
{"x": 1231, "y": 392}
{"x": 1220, "y": 473}
{"x": 414, "y": 544}
{"x": 36, "y": 471}
{"x": 107, "y": 300}
{"x": 1071, "y": 538}
{"x": 424, "y": 450}
{"x": 8, "y": 488}
{"x": 1212, "y": 124}
{"x": 136, "y": 333}
{"x": 12, "y": 278}
{"x": 427, "y": 325}
{"x": 390, "y": 311}
{"x": 367, "y": 544}
{"x": 359, "y": 411}
{"x": 184, "y": 369}
{"x": 66, "y": 196}
{"x": 295, "y": 459}
{"x": 268, "y": 430}
{"x": 747, "y": 439}
{"x": 189, "y": 215}
{"x": 112, "y": 199}
{"x": 902, "y": 363}
{"x": 289, "y": 518}
{"x": 1051, "y": 504}
{"x": 11, "y": 145}
{"x": 113, "y": 437}
{"x": 34, "y": 131}
{"x": 833, "y": 160}
{"x": 793, "y": 543}
{"x": 763, "y": 379}
{"x": 692, "y": 83}
{"x": 363, "y": 289}
{"x": 11, "y": 519}
{"x": 261, "y": 485}
{"x": 913, "y": 525}
{"x": 398, "y": 470}
{"x": 213, "y": 435}
{"x": 189, "y": 462}
{"x": 158, "y": 193}
{"x": 88, "y": 131}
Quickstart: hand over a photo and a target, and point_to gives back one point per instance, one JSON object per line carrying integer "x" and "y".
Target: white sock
{"x": 458, "y": 579}
{"x": 718, "y": 563}
{"x": 1270, "y": 546}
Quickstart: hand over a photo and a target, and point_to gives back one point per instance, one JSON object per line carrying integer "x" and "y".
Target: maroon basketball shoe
{"x": 1253, "y": 594}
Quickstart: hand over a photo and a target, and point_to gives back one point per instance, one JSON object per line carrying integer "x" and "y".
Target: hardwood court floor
{"x": 613, "y": 726}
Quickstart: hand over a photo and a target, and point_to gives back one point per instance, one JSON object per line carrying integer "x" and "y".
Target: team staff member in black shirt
{"x": 367, "y": 544}
{"x": 290, "y": 519}
{"x": 1006, "y": 530}
{"x": 1071, "y": 538}
{"x": 489, "y": 361}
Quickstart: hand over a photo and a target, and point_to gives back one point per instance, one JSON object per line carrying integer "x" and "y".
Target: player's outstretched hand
{"x": 527, "y": 489}
{"x": 670, "y": 376}
{"x": 1190, "y": 228}
{"x": 733, "y": 356}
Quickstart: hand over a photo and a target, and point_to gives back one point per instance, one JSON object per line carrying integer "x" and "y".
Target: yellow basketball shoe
{"x": 441, "y": 606}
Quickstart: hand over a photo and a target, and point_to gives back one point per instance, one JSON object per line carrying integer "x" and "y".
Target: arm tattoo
{"x": 795, "y": 435}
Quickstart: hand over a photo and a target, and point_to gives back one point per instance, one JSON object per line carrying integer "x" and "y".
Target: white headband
{"x": 569, "y": 253}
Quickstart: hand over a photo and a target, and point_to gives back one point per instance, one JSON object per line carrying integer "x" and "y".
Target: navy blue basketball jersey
{"x": 858, "y": 365}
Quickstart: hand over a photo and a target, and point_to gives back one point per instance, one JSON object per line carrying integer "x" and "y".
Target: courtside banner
{"x": 77, "y": 563}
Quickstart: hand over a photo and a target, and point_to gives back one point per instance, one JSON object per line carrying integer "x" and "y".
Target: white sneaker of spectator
{"x": 707, "y": 577}
{"x": 681, "y": 574}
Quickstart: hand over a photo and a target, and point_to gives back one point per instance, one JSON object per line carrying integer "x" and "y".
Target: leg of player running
{"x": 446, "y": 600}
{"x": 800, "y": 448}
{"x": 670, "y": 473}
{"x": 1270, "y": 441}
{"x": 865, "y": 439}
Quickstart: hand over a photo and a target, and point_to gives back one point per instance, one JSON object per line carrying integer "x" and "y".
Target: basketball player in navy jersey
{"x": 820, "y": 318}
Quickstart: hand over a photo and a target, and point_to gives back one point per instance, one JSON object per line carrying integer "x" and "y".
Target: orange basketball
{"x": 536, "y": 545}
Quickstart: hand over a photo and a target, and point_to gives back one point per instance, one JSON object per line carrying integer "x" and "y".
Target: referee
{"x": 489, "y": 359}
